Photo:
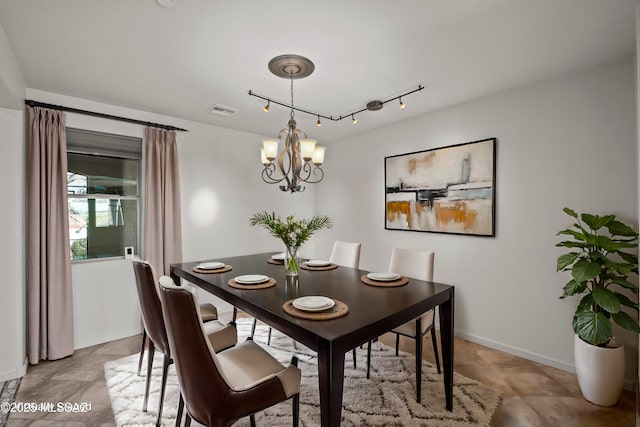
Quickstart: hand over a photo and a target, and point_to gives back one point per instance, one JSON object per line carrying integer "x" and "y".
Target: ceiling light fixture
{"x": 293, "y": 163}
{"x": 354, "y": 120}
{"x": 318, "y": 122}
{"x": 266, "y": 107}
{"x": 375, "y": 105}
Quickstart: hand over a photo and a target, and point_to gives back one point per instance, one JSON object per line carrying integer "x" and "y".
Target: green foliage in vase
{"x": 293, "y": 232}
{"x": 602, "y": 257}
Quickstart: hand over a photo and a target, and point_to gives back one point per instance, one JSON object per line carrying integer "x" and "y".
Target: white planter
{"x": 600, "y": 371}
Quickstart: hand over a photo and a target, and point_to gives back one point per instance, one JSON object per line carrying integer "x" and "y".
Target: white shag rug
{"x": 388, "y": 398}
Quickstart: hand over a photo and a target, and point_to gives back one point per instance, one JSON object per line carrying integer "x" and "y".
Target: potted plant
{"x": 292, "y": 232}
{"x": 601, "y": 259}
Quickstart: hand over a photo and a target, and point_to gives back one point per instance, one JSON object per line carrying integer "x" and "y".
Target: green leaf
{"x": 626, "y": 321}
{"x": 617, "y": 228}
{"x": 573, "y": 288}
{"x": 570, "y": 244}
{"x": 630, "y": 258}
{"x": 574, "y": 233}
{"x": 607, "y": 244}
{"x": 567, "y": 259}
{"x": 623, "y": 268}
{"x": 585, "y": 270}
{"x": 626, "y": 301}
{"x": 593, "y": 221}
{"x": 586, "y": 303}
{"x": 570, "y": 212}
{"x": 624, "y": 283}
{"x": 593, "y": 327}
{"x": 606, "y": 299}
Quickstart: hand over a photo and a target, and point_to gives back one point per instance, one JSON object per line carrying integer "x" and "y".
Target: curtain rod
{"x": 102, "y": 115}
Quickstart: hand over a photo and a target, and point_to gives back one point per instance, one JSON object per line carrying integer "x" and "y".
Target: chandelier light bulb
{"x": 402, "y": 104}
{"x": 307, "y": 147}
{"x": 354, "y": 120}
{"x": 266, "y": 107}
{"x": 318, "y": 155}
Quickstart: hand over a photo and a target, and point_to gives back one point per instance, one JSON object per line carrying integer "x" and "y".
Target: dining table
{"x": 371, "y": 312}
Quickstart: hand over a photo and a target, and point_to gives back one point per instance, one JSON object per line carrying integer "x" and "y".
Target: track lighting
{"x": 266, "y": 107}
{"x": 318, "y": 122}
{"x": 354, "y": 120}
{"x": 402, "y": 104}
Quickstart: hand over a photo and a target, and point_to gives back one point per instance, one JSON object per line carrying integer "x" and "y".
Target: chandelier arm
{"x": 267, "y": 174}
{"x": 317, "y": 170}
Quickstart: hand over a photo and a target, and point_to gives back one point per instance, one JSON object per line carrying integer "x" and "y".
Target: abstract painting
{"x": 443, "y": 190}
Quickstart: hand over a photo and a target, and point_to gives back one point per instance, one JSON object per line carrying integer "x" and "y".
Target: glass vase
{"x": 291, "y": 261}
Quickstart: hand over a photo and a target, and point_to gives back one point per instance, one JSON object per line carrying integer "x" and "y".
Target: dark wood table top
{"x": 372, "y": 310}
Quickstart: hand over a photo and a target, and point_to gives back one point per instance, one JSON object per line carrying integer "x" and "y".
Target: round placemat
{"x": 304, "y": 266}
{"x": 275, "y": 261}
{"x": 338, "y": 310}
{"x": 400, "y": 282}
{"x": 269, "y": 283}
{"x": 211, "y": 271}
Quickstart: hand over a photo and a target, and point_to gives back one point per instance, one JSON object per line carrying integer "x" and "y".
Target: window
{"x": 103, "y": 193}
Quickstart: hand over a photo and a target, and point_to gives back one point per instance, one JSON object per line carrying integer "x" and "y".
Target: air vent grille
{"x": 223, "y": 110}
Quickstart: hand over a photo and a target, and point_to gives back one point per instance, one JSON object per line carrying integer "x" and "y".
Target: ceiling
{"x": 182, "y": 60}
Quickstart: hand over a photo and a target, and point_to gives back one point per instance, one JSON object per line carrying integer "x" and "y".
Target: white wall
{"x": 12, "y": 318}
{"x": 568, "y": 141}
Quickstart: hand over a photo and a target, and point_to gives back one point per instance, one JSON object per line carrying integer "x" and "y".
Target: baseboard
{"x": 106, "y": 338}
{"x": 525, "y": 354}
{"x": 18, "y": 372}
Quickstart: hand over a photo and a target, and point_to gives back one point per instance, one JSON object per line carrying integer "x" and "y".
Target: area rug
{"x": 388, "y": 398}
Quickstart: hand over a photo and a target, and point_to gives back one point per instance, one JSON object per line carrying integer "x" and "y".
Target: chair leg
{"x": 235, "y": 314}
{"x": 163, "y": 387}
{"x": 187, "y": 421}
{"x": 435, "y": 348}
{"x": 369, "y": 359}
{"x": 252, "y": 420}
{"x": 150, "y": 353}
{"x": 269, "y": 337}
{"x": 354, "y": 358}
{"x": 180, "y": 409}
{"x": 144, "y": 341}
{"x": 397, "y": 343}
{"x": 418, "y": 360}
{"x": 295, "y": 403}
{"x": 253, "y": 327}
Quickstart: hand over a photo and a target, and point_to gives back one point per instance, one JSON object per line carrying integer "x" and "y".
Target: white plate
{"x": 317, "y": 263}
{"x": 279, "y": 256}
{"x": 384, "y": 277}
{"x": 313, "y": 303}
{"x": 210, "y": 265}
{"x": 248, "y": 279}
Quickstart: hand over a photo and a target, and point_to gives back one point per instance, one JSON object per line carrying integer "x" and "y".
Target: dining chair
{"x": 220, "y": 388}
{"x": 208, "y": 312}
{"x": 224, "y": 335}
{"x": 417, "y": 264}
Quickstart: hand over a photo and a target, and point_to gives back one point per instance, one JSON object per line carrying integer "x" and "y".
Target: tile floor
{"x": 534, "y": 394}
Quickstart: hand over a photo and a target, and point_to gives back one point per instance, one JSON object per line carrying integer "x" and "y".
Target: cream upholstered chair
{"x": 346, "y": 254}
{"x": 417, "y": 264}
{"x": 220, "y": 388}
{"x": 154, "y": 325}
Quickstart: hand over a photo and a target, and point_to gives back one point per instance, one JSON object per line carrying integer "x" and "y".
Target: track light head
{"x": 318, "y": 122}
{"x": 402, "y": 104}
{"x": 266, "y": 107}
{"x": 354, "y": 120}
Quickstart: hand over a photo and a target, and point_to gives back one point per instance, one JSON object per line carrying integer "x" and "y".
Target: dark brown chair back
{"x": 150, "y": 306}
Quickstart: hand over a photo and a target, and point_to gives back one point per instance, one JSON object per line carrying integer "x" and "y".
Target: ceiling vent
{"x": 223, "y": 110}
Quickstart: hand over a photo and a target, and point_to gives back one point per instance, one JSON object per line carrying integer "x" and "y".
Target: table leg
{"x": 446, "y": 341}
{"x": 331, "y": 381}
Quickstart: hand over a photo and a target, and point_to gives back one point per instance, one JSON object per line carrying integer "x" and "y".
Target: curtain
{"x": 49, "y": 294}
{"x": 163, "y": 225}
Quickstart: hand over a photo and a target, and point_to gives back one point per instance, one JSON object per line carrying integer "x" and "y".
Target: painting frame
{"x": 449, "y": 190}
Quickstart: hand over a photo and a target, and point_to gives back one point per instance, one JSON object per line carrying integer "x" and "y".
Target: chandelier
{"x": 300, "y": 160}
